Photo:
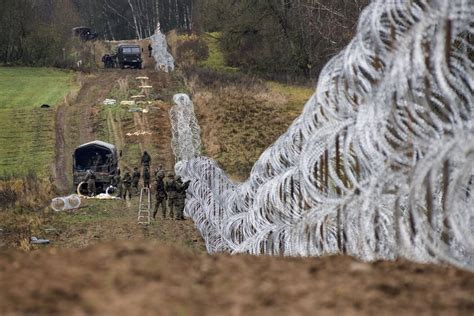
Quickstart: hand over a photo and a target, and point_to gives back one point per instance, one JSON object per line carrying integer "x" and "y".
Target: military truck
{"x": 129, "y": 55}
{"x": 98, "y": 156}
{"x": 84, "y": 33}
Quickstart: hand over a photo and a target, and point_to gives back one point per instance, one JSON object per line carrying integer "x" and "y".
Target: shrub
{"x": 191, "y": 49}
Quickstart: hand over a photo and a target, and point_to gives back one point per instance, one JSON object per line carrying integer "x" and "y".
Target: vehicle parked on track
{"x": 98, "y": 156}
{"x": 128, "y": 55}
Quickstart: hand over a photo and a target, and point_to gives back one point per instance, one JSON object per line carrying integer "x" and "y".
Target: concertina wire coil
{"x": 379, "y": 165}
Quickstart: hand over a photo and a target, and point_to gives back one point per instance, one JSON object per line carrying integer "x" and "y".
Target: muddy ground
{"x": 100, "y": 262}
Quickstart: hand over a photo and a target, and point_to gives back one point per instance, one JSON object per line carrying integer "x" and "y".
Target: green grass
{"x": 27, "y": 137}
{"x": 297, "y": 96}
{"x": 93, "y": 213}
{"x": 31, "y": 87}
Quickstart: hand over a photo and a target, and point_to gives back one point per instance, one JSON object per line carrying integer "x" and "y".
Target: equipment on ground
{"x": 144, "y": 207}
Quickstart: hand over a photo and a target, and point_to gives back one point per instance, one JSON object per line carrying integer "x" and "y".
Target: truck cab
{"x": 98, "y": 156}
{"x": 129, "y": 55}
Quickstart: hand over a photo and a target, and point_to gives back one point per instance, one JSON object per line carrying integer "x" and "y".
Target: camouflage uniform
{"x": 160, "y": 197}
{"x": 127, "y": 182}
{"x": 181, "y": 197}
{"x": 90, "y": 180}
{"x": 146, "y": 159}
{"x": 146, "y": 177}
{"x": 135, "y": 179}
{"x": 159, "y": 172}
{"x": 117, "y": 182}
{"x": 171, "y": 192}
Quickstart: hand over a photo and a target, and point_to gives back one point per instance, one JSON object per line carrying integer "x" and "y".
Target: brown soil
{"x": 150, "y": 278}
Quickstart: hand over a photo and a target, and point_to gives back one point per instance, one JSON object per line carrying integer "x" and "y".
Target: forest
{"x": 280, "y": 39}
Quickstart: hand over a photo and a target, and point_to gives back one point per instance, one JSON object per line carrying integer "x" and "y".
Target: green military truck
{"x": 128, "y": 55}
{"x": 98, "y": 156}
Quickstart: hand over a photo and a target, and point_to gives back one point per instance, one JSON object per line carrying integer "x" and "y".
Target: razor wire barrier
{"x": 379, "y": 165}
{"x": 164, "y": 60}
{"x": 111, "y": 188}
{"x": 185, "y": 145}
{"x": 79, "y": 187}
{"x": 66, "y": 203}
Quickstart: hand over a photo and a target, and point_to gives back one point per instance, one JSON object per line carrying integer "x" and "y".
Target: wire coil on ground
{"x": 67, "y": 203}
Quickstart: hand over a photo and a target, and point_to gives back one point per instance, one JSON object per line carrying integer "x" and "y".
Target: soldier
{"x": 146, "y": 159}
{"x": 127, "y": 182}
{"x": 159, "y": 171}
{"x": 161, "y": 196}
{"x": 150, "y": 49}
{"x": 180, "y": 197}
{"x": 170, "y": 188}
{"x": 136, "y": 179}
{"x": 96, "y": 161}
{"x": 118, "y": 183}
{"x": 146, "y": 177}
{"x": 115, "y": 182}
{"x": 90, "y": 180}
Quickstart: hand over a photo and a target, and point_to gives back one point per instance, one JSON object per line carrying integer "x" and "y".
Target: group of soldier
{"x": 170, "y": 192}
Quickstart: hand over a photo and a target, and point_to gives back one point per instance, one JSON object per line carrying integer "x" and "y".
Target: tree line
{"x": 278, "y": 38}
{"x": 282, "y": 38}
{"x": 38, "y": 32}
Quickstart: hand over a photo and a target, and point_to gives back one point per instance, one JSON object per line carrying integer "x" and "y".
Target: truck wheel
{"x": 140, "y": 66}
{"x": 122, "y": 66}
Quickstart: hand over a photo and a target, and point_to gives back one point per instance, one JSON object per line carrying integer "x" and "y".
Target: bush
{"x": 26, "y": 192}
{"x": 191, "y": 49}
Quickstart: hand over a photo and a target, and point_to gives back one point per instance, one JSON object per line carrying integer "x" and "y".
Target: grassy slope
{"x": 232, "y": 116}
{"x": 26, "y": 131}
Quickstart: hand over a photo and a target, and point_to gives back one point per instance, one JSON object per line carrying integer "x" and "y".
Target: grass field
{"x": 27, "y": 135}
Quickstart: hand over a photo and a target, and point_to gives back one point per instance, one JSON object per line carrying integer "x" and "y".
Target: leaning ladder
{"x": 144, "y": 208}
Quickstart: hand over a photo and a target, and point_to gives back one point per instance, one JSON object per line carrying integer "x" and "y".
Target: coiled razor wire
{"x": 379, "y": 165}
{"x": 67, "y": 203}
{"x": 164, "y": 60}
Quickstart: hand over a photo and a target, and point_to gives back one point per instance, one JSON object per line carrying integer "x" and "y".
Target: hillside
{"x": 101, "y": 262}
{"x": 27, "y": 134}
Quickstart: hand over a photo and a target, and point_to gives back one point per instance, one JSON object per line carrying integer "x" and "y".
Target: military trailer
{"x": 129, "y": 55}
{"x": 98, "y": 156}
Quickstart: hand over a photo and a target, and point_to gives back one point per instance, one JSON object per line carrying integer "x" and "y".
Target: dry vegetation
{"x": 241, "y": 115}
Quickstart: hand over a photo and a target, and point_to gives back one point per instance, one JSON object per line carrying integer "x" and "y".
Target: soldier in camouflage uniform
{"x": 159, "y": 171}
{"x": 90, "y": 180}
{"x": 127, "y": 183}
{"x": 146, "y": 159}
{"x": 170, "y": 188}
{"x": 117, "y": 182}
{"x": 146, "y": 177}
{"x": 135, "y": 179}
{"x": 161, "y": 196}
{"x": 181, "y": 197}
